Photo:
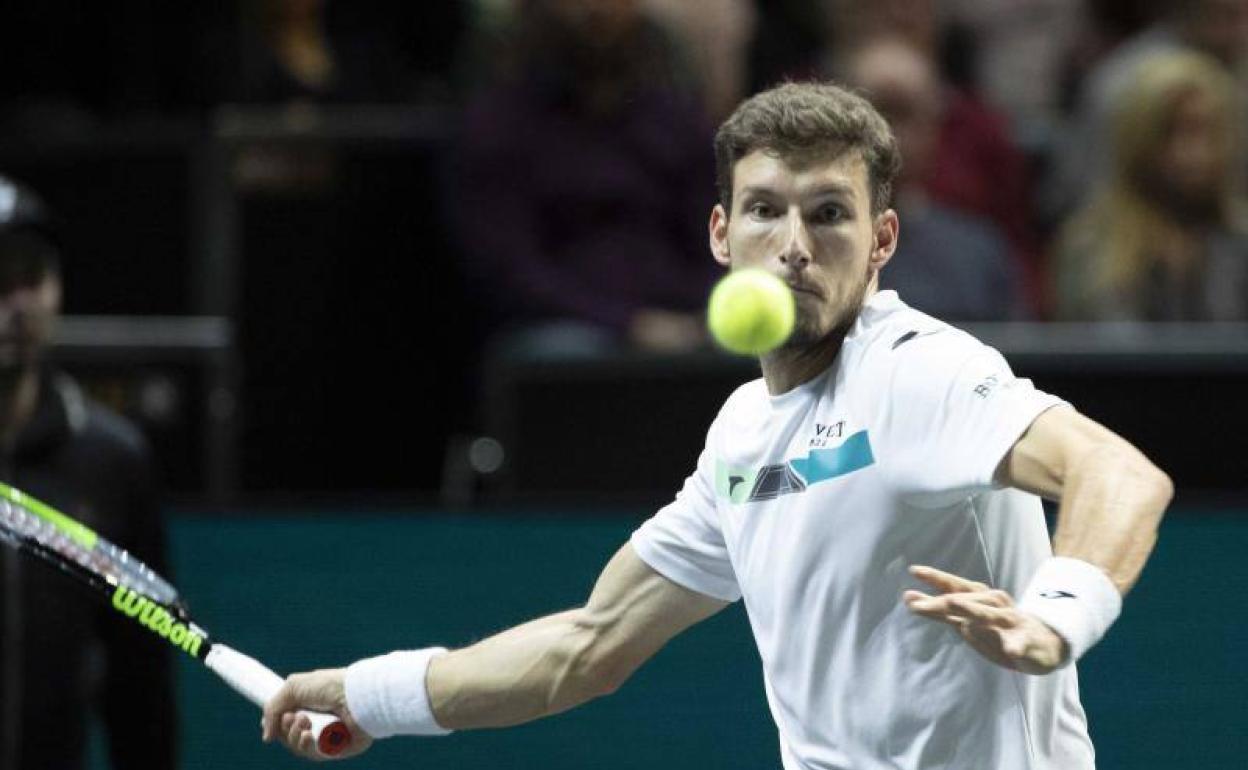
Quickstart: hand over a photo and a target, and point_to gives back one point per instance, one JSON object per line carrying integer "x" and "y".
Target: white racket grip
{"x": 258, "y": 683}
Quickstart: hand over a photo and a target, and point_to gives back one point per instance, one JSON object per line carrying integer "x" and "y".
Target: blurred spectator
{"x": 61, "y": 650}
{"x": 1023, "y": 50}
{"x": 1167, "y": 238}
{"x": 585, "y": 181}
{"x": 975, "y": 167}
{"x": 787, "y": 42}
{"x": 1217, "y": 28}
{"x": 715, "y": 34}
{"x": 952, "y": 264}
{"x": 322, "y": 51}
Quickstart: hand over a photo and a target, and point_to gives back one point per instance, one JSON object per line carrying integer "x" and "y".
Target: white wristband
{"x": 387, "y": 694}
{"x": 1074, "y": 598}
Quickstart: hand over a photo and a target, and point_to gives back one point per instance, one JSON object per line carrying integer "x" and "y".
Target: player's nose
{"x": 796, "y": 251}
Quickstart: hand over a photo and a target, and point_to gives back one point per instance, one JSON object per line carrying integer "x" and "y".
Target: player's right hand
{"x": 314, "y": 691}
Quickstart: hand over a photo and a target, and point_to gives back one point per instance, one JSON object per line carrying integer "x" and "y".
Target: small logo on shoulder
{"x": 985, "y": 388}
{"x": 913, "y": 334}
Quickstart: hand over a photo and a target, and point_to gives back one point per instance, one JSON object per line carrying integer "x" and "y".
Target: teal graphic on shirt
{"x": 745, "y": 485}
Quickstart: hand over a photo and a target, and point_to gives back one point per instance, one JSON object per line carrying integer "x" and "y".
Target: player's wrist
{"x": 386, "y": 695}
{"x": 1074, "y": 598}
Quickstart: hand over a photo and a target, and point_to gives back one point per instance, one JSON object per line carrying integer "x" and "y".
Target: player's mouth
{"x": 799, "y": 289}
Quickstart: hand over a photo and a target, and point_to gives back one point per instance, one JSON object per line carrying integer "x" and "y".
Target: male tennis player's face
{"x": 809, "y": 221}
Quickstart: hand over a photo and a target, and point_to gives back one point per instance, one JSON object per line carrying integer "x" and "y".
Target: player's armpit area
{"x": 1112, "y": 497}
{"x": 560, "y": 661}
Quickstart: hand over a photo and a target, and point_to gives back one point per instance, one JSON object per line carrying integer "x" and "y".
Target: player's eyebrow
{"x": 757, "y": 189}
{"x": 830, "y": 189}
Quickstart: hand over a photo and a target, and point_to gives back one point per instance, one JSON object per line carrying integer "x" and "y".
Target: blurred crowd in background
{"x": 1064, "y": 159}
{"x": 1070, "y": 160}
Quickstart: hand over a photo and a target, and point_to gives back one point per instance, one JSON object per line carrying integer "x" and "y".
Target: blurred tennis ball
{"x": 750, "y": 312}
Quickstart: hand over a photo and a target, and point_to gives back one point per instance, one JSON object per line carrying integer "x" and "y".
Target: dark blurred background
{"x": 377, "y": 254}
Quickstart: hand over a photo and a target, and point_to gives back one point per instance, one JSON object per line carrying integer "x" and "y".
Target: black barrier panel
{"x": 630, "y": 427}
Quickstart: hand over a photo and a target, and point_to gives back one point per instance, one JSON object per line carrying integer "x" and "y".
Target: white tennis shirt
{"x": 811, "y": 505}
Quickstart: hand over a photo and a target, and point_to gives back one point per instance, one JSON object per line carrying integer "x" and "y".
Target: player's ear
{"x": 718, "y": 231}
{"x": 887, "y": 229}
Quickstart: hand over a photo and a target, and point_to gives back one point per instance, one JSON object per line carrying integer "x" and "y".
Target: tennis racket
{"x": 137, "y": 592}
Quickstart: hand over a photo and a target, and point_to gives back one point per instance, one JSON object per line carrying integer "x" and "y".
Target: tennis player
{"x": 873, "y": 498}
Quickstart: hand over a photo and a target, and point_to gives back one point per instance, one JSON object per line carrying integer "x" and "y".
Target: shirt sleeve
{"x": 952, "y": 411}
{"x": 684, "y": 543}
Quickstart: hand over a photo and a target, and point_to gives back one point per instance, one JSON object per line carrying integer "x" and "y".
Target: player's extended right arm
{"x": 536, "y": 669}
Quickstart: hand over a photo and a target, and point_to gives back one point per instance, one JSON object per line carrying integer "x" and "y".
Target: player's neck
{"x": 789, "y": 367}
{"x": 19, "y": 394}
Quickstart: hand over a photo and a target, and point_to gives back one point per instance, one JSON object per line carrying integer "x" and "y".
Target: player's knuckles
{"x": 1014, "y": 645}
{"x": 307, "y": 746}
{"x": 301, "y": 684}
{"x": 295, "y": 731}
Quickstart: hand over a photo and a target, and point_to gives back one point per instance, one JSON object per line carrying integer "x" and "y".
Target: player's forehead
{"x": 801, "y": 174}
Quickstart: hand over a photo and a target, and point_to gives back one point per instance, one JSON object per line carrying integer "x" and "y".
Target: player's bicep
{"x": 1041, "y": 459}
{"x": 635, "y": 611}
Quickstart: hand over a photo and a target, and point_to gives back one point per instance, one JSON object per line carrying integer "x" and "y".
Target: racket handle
{"x": 257, "y": 683}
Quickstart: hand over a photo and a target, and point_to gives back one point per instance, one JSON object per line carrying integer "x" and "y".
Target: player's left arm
{"x": 1111, "y": 500}
{"x": 1111, "y": 496}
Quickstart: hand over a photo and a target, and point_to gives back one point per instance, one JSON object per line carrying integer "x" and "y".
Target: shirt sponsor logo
{"x": 824, "y": 432}
{"x": 157, "y": 619}
{"x": 984, "y": 389}
{"x": 749, "y": 485}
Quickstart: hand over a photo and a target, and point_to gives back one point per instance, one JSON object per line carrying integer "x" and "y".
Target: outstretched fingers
{"x": 991, "y": 608}
{"x": 978, "y": 608}
{"x": 945, "y": 582}
{"x": 987, "y": 620}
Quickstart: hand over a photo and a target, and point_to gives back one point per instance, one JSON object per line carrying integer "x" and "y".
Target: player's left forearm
{"x": 1112, "y": 501}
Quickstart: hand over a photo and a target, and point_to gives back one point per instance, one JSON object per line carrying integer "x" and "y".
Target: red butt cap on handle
{"x": 258, "y": 683}
{"x": 333, "y": 737}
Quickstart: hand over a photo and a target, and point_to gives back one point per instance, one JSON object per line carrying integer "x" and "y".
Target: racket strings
{"x": 105, "y": 559}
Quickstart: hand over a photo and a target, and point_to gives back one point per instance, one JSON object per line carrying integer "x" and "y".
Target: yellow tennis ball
{"x": 750, "y": 312}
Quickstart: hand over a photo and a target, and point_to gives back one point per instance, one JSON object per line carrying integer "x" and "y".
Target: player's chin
{"x": 807, "y": 331}
{"x": 814, "y": 325}
{"x": 804, "y": 341}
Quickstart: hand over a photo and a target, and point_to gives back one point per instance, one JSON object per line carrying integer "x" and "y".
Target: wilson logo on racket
{"x": 157, "y": 619}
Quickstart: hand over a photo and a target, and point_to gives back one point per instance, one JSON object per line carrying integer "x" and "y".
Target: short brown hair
{"x": 804, "y": 118}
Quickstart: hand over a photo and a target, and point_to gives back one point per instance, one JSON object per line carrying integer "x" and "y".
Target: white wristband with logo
{"x": 1075, "y": 599}
{"x": 387, "y": 694}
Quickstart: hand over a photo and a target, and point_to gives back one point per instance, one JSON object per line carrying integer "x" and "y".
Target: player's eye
{"x": 762, "y": 210}
{"x": 829, "y": 214}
